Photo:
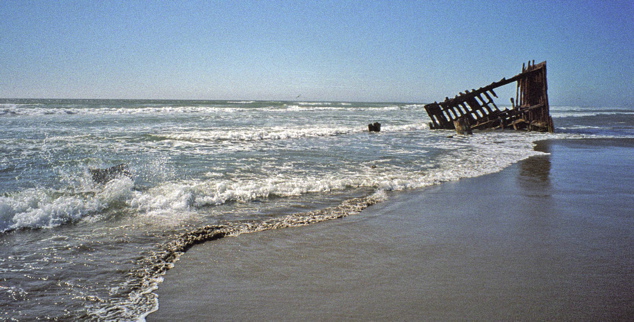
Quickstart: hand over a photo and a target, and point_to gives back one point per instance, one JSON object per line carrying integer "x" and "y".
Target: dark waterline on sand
{"x": 548, "y": 238}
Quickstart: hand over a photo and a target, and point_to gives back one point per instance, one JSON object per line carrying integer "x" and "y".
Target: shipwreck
{"x": 476, "y": 110}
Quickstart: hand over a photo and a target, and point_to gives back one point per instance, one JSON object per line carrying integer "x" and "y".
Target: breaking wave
{"x": 46, "y": 208}
{"x": 255, "y": 134}
{"x": 462, "y": 157}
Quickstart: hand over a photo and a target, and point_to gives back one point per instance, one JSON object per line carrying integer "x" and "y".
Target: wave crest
{"x": 40, "y": 208}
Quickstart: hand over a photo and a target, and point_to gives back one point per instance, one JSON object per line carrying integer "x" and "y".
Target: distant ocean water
{"x": 74, "y": 249}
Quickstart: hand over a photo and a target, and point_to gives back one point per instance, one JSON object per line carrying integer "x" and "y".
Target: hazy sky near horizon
{"x": 407, "y": 51}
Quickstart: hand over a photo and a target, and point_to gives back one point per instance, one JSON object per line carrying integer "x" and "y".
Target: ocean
{"x": 72, "y": 248}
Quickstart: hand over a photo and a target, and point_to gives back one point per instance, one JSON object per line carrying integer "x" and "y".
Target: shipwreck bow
{"x": 476, "y": 109}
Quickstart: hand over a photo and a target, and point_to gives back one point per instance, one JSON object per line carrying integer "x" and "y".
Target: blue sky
{"x": 407, "y": 51}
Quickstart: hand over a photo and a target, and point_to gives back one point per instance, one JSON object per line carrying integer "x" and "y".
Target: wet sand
{"x": 550, "y": 238}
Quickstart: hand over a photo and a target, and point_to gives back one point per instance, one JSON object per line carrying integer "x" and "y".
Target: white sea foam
{"x": 406, "y": 127}
{"x": 295, "y": 108}
{"x": 258, "y": 134}
{"x": 152, "y": 110}
{"x": 315, "y": 103}
{"x": 241, "y": 102}
{"x": 576, "y": 111}
{"x": 477, "y": 155}
{"x": 9, "y": 109}
{"x": 43, "y": 208}
{"x": 465, "y": 157}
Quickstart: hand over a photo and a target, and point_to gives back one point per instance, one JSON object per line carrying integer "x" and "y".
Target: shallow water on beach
{"x": 72, "y": 248}
{"x": 546, "y": 239}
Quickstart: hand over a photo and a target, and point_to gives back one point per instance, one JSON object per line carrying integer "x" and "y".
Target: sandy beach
{"x": 549, "y": 238}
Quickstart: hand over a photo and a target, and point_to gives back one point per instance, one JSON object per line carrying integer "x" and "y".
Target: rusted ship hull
{"x": 476, "y": 109}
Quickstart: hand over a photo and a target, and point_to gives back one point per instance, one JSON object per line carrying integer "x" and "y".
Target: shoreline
{"x": 547, "y": 238}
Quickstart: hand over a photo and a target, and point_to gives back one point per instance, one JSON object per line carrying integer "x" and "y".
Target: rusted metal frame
{"x": 450, "y": 114}
{"x": 535, "y": 92}
{"x": 490, "y": 101}
{"x": 475, "y": 108}
{"x": 438, "y": 117}
{"x": 502, "y": 82}
{"x": 457, "y": 111}
{"x": 454, "y": 107}
{"x": 431, "y": 110}
{"x": 483, "y": 103}
{"x": 469, "y": 113}
{"x": 533, "y": 74}
{"x": 483, "y": 111}
{"x": 463, "y": 110}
